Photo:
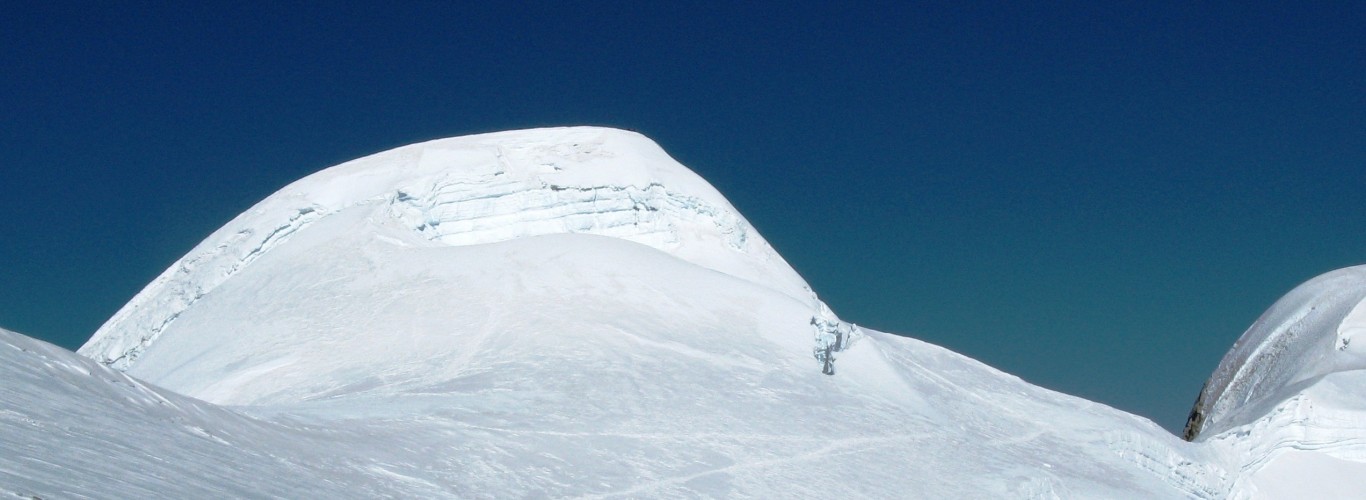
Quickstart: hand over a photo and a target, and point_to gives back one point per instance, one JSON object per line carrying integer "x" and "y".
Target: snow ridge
{"x": 1303, "y": 336}
{"x": 179, "y": 287}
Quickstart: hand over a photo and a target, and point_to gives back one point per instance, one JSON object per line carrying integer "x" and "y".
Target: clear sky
{"x": 1096, "y": 198}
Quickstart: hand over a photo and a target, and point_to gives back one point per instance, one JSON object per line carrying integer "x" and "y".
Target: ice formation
{"x": 832, "y": 336}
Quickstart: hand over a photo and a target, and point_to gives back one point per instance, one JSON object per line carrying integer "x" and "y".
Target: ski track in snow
{"x": 854, "y": 445}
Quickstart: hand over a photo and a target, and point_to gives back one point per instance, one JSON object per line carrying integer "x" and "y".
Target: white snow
{"x": 1307, "y": 474}
{"x": 1303, "y": 336}
{"x": 570, "y": 313}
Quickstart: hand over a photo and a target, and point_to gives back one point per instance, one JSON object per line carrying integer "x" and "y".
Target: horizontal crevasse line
{"x": 473, "y": 216}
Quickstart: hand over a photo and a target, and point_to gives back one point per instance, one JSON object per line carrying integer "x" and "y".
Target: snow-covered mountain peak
{"x": 467, "y": 191}
{"x": 1317, "y": 329}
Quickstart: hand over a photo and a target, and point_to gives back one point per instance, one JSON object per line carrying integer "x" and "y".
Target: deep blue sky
{"x": 1098, "y": 199}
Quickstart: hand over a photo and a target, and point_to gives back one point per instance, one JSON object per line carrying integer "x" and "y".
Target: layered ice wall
{"x": 1317, "y": 329}
{"x": 475, "y": 190}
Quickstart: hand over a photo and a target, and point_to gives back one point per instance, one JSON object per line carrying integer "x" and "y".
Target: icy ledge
{"x": 468, "y": 191}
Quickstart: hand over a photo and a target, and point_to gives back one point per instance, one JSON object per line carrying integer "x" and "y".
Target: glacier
{"x": 569, "y": 312}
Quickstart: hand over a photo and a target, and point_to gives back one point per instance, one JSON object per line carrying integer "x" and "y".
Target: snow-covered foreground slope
{"x": 72, "y": 428}
{"x": 627, "y": 401}
{"x": 565, "y": 313}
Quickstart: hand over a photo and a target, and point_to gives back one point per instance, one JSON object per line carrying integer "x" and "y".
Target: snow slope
{"x": 72, "y": 428}
{"x": 1311, "y": 445}
{"x": 626, "y": 400}
{"x": 565, "y": 313}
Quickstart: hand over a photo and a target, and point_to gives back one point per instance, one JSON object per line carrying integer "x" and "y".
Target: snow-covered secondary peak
{"x": 468, "y": 191}
{"x": 1317, "y": 329}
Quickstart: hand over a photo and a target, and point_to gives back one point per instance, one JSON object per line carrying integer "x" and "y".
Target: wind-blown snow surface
{"x": 561, "y": 313}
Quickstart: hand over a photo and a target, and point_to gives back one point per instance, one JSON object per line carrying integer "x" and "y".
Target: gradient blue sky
{"x": 1097, "y": 198}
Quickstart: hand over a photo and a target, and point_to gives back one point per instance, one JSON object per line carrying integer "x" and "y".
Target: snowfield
{"x": 571, "y": 313}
